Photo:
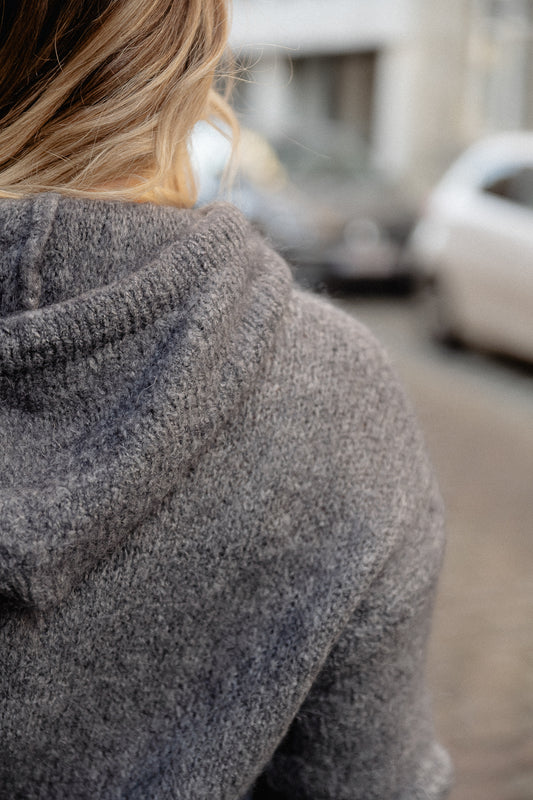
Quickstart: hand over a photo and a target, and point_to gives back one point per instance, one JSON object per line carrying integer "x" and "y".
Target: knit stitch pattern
{"x": 220, "y": 537}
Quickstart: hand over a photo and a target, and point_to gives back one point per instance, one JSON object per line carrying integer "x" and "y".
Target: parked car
{"x": 473, "y": 247}
{"x": 315, "y": 197}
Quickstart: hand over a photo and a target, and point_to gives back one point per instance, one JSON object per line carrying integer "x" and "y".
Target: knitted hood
{"x": 129, "y": 334}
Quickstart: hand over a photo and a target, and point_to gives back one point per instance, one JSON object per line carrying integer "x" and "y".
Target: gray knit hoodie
{"x": 219, "y": 536}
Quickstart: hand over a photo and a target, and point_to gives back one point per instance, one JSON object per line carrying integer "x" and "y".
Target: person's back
{"x": 219, "y": 535}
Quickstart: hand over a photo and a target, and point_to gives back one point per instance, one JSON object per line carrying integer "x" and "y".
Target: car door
{"x": 492, "y": 261}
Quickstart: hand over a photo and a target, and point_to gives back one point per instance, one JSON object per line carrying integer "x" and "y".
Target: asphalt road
{"x": 477, "y": 416}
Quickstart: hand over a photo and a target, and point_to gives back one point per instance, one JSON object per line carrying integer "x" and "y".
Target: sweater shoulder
{"x": 337, "y": 361}
{"x": 346, "y": 413}
{"x": 316, "y": 318}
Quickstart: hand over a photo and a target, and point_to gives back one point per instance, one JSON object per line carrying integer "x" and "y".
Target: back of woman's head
{"x": 99, "y": 97}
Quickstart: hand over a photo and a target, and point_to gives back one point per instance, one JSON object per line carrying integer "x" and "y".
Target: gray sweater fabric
{"x": 219, "y": 533}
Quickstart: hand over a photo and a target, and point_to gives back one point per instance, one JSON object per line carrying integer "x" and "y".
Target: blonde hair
{"x": 99, "y": 97}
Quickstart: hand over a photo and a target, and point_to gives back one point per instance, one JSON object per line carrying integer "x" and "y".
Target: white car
{"x": 473, "y": 247}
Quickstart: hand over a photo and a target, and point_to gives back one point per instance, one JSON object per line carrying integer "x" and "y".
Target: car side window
{"x": 514, "y": 184}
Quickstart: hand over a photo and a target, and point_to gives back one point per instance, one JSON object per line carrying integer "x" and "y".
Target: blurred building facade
{"x": 417, "y": 80}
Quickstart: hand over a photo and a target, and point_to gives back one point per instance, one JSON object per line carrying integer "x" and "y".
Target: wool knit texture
{"x": 219, "y": 533}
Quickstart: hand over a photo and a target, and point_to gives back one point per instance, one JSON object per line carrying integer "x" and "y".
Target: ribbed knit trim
{"x": 36, "y": 338}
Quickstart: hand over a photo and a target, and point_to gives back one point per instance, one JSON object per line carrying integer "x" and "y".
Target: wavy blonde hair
{"x": 99, "y": 97}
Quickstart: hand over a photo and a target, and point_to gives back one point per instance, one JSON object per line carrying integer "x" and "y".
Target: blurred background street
{"x": 387, "y": 152}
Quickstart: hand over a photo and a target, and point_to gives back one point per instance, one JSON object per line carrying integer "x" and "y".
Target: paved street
{"x": 477, "y": 414}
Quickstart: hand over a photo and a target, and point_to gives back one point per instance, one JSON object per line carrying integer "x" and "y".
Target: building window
{"x": 339, "y": 88}
{"x": 500, "y": 65}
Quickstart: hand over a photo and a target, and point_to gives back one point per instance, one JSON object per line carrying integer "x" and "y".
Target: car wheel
{"x": 439, "y": 315}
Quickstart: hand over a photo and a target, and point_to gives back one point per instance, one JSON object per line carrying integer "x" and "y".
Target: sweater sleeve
{"x": 364, "y": 731}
